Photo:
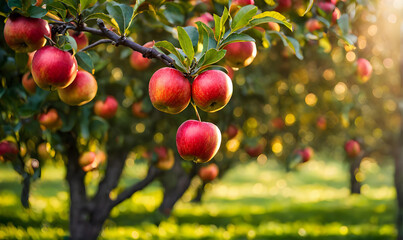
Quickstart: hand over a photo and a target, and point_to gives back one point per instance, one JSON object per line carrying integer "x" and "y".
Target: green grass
{"x": 252, "y": 202}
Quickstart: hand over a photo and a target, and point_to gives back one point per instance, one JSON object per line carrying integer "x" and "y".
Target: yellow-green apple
{"x": 274, "y": 26}
{"x": 8, "y": 150}
{"x": 166, "y": 158}
{"x": 138, "y": 62}
{"x": 169, "y": 90}
{"x": 106, "y": 109}
{"x": 204, "y": 18}
{"x": 240, "y": 54}
{"x": 231, "y": 131}
{"x": 25, "y": 34}
{"x": 87, "y": 161}
{"x": 198, "y": 141}
{"x": 364, "y": 69}
{"x": 208, "y": 173}
{"x": 313, "y": 25}
{"x": 137, "y": 110}
{"x": 283, "y": 5}
{"x": 80, "y": 37}
{"x": 212, "y": 90}
{"x": 50, "y": 119}
{"x": 42, "y": 151}
{"x": 53, "y": 68}
{"x": 81, "y": 91}
{"x": 28, "y": 83}
{"x": 321, "y": 123}
{"x": 254, "y": 151}
{"x": 352, "y": 148}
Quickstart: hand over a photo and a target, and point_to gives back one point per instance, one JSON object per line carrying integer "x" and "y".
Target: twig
{"x": 96, "y": 44}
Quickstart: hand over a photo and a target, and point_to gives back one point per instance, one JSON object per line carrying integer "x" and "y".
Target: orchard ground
{"x": 252, "y": 201}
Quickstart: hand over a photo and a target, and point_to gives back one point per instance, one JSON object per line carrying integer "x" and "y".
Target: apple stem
{"x": 197, "y": 113}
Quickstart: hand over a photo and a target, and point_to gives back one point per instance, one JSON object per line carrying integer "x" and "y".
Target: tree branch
{"x": 96, "y": 44}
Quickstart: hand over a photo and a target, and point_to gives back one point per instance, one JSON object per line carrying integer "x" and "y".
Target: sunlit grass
{"x": 252, "y": 202}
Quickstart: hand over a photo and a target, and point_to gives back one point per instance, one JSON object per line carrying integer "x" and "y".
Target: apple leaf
{"x": 211, "y": 67}
{"x": 208, "y": 36}
{"x": 212, "y": 56}
{"x": 122, "y": 14}
{"x": 108, "y": 19}
{"x": 57, "y": 8}
{"x": 170, "y": 48}
{"x": 36, "y": 12}
{"x": 84, "y": 60}
{"x": 323, "y": 20}
{"x": 270, "y": 16}
{"x": 193, "y": 34}
{"x": 84, "y": 121}
{"x": 186, "y": 44}
{"x": 295, "y": 46}
{"x": 86, "y": 3}
{"x": 72, "y": 3}
{"x": 343, "y": 24}
{"x": 243, "y": 16}
{"x": 236, "y": 37}
{"x": 98, "y": 127}
{"x": 173, "y": 13}
{"x": 14, "y": 4}
{"x": 135, "y": 12}
{"x": 309, "y": 7}
{"x": 72, "y": 43}
{"x": 217, "y": 27}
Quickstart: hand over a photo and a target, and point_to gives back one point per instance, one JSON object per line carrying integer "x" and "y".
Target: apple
{"x": 313, "y": 25}
{"x": 230, "y": 72}
{"x": 278, "y": 123}
{"x": 283, "y": 5}
{"x": 232, "y": 131}
{"x": 138, "y": 62}
{"x": 274, "y": 26}
{"x": 30, "y": 57}
{"x": 101, "y": 156}
{"x": 81, "y": 91}
{"x": 254, "y": 151}
{"x": 28, "y": 83}
{"x": 38, "y": 3}
{"x": 8, "y": 150}
{"x": 198, "y": 141}
{"x": 240, "y": 54}
{"x": 166, "y": 158}
{"x": 106, "y": 109}
{"x": 50, "y": 119}
{"x": 43, "y": 151}
{"x": 24, "y": 34}
{"x": 169, "y": 90}
{"x": 212, "y": 90}
{"x": 352, "y": 148}
{"x": 243, "y": 3}
{"x": 137, "y": 110}
{"x": 364, "y": 69}
{"x": 321, "y": 123}
{"x": 87, "y": 161}
{"x": 336, "y": 15}
{"x": 327, "y": 7}
{"x": 53, "y": 68}
{"x": 205, "y": 18}
{"x": 81, "y": 39}
{"x": 306, "y": 154}
{"x": 208, "y": 173}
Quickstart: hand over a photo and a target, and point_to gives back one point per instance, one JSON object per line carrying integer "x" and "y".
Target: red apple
{"x": 24, "y": 34}
{"x": 53, "y": 68}
{"x": 101, "y": 156}
{"x": 8, "y": 150}
{"x": 88, "y": 161}
{"x": 313, "y": 25}
{"x": 30, "y": 57}
{"x": 169, "y": 90}
{"x": 352, "y": 148}
{"x": 237, "y": 4}
{"x": 306, "y": 154}
{"x": 336, "y": 15}
{"x": 283, "y": 5}
{"x": 254, "y": 151}
{"x": 204, "y": 18}
{"x": 38, "y": 3}
{"x": 208, "y": 173}
{"x": 240, "y": 54}
{"x": 212, "y": 90}
{"x": 198, "y": 141}
{"x": 327, "y": 7}
{"x": 106, "y": 109}
{"x": 137, "y": 110}
{"x": 232, "y": 131}
{"x": 364, "y": 69}
{"x": 138, "y": 62}
{"x": 81, "y": 91}
{"x": 274, "y": 26}
{"x": 278, "y": 123}
{"x": 166, "y": 158}
{"x": 321, "y": 123}
{"x": 230, "y": 71}
{"x": 81, "y": 39}
{"x": 28, "y": 83}
{"x": 50, "y": 119}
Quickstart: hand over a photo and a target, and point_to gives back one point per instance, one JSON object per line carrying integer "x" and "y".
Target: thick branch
{"x": 153, "y": 172}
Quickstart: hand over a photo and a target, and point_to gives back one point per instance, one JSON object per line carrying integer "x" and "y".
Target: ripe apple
{"x": 240, "y": 54}
{"x": 237, "y": 4}
{"x": 364, "y": 69}
{"x": 87, "y": 161}
{"x": 278, "y": 123}
{"x": 232, "y": 131}
{"x": 169, "y": 90}
{"x": 166, "y": 158}
{"x": 50, "y": 119}
{"x": 212, "y": 90}
{"x": 43, "y": 151}
{"x": 336, "y": 15}
{"x": 198, "y": 141}
{"x": 81, "y": 39}
{"x": 230, "y": 71}
{"x": 81, "y": 91}
{"x": 137, "y": 110}
{"x": 30, "y": 57}
{"x": 306, "y": 154}
{"x": 254, "y": 151}
{"x": 274, "y": 26}
{"x": 101, "y": 156}
{"x": 208, "y": 173}
{"x": 204, "y": 18}
{"x": 53, "y": 68}
{"x": 138, "y": 62}
{"x": 106, "y": 109}
{"x": 24, "y": 34}
{"x": 327, "y": 7}
{"x": 313, "y": 25}
{"x": 321, "y": 123}
{"x": 8, "y": 150}
{"x": 352, "y": 148}
{"x": 28, "y": 83}
{"x": 283, "y": 5}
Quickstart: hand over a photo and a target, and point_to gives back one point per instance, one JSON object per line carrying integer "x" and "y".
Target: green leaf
{"x": 105, "y": 18}
{"x": 224, "y": 18}
{"x": 324, "y": 21}
{"x": 170, "y": 48}
{"x": 212, "y": 67}
{"x": 84, "y": 122}
{"x": 85, "y": 3}
{"x": 84, "y": 60}
{"x": 135, "y": 12}
{"x": 217, "y": 27}
{"x": 72, "y": 43}
{"x": 344, "y": 24}
{"x": 186, "y": 43}
{"x": 14, "y": 4}
{"x": 243, "y": 16}
{"x": 309, "y": 7}
{"x": 72, "y": 3}
{"x": 212, "y": 56}
{"x": 270, "y": 16}
{"x": 270, "y": 2}
{"x": 174, "y": 14}
{"x": 193, "y": 34}
{"x": 208, "y": 37}
{"x": 98, "y": 127}
{"x": 295, "y": 46}
{"x": 122, "y": 14}
{"x": 236, "y": 37}
{"x": 57, "y": 8}
{"x": 36, "y": 12}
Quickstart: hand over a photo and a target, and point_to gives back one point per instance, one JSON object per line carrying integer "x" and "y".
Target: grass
{"x": 252, "y": 202}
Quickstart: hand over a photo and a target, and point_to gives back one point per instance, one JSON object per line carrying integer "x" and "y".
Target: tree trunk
{"x": 355, "y": 186}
